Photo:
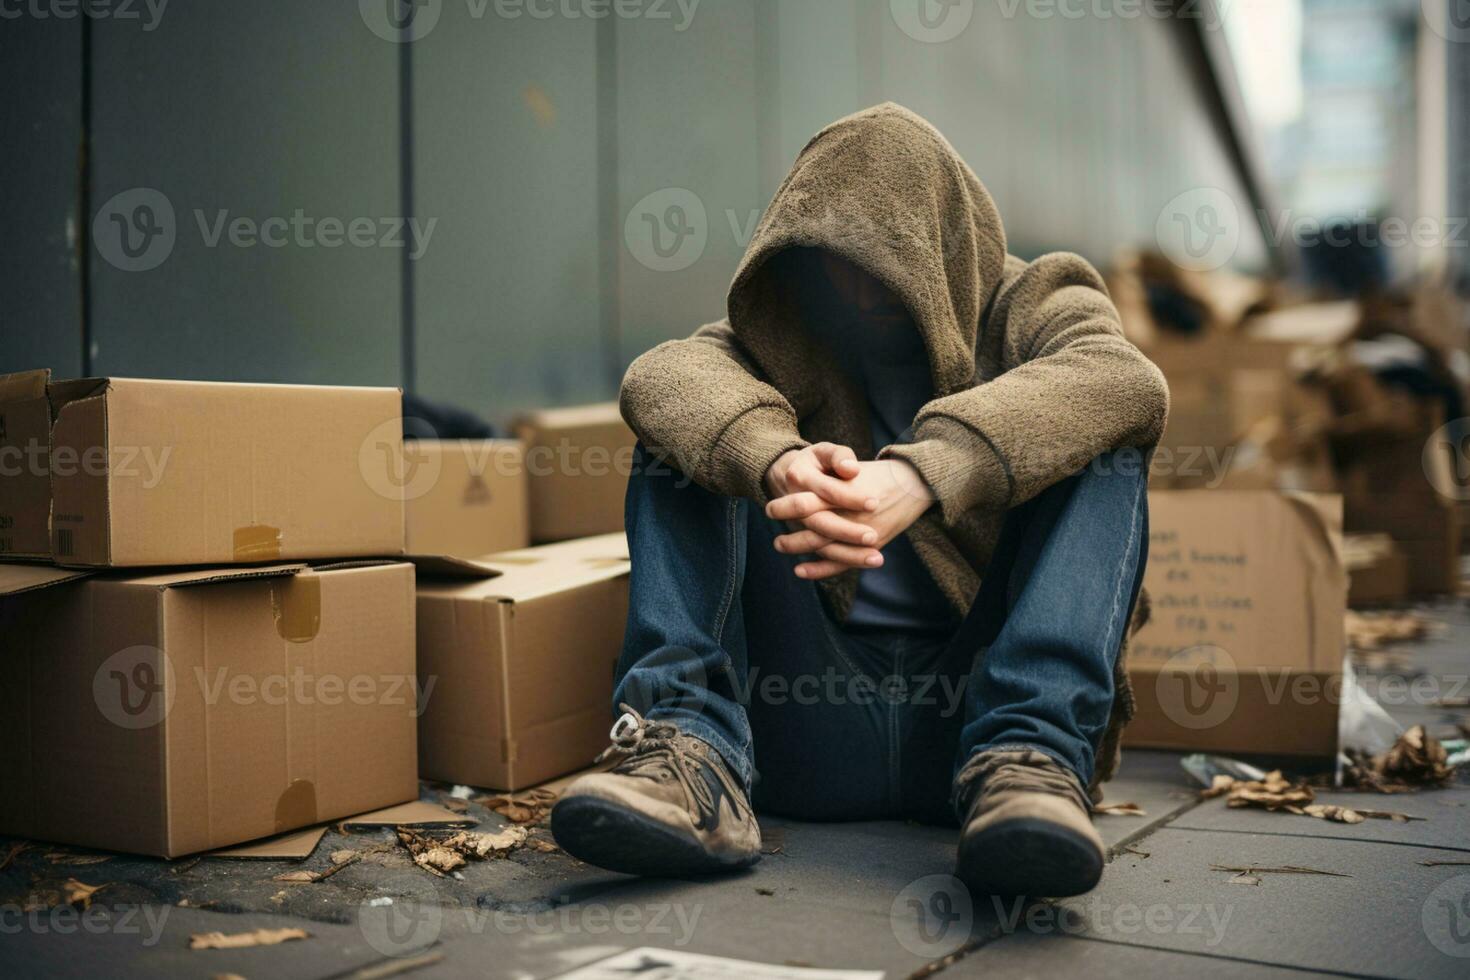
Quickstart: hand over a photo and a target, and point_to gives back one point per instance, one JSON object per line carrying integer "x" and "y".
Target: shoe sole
{"x": 1029, "y": 856}
{"x": 613, "y": 837}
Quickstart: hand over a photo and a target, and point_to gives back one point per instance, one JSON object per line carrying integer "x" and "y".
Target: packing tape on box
{"x": 296, "y": 807}
{"x": 296, "y": 603}
{"x": 257, "y": 542}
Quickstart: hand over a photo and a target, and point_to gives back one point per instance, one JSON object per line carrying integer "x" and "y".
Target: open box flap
{"x": 18, "y": 578}
{"x": 209, "y": 576}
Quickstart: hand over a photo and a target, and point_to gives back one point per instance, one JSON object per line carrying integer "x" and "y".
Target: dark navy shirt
{"x": 885, "y": 357}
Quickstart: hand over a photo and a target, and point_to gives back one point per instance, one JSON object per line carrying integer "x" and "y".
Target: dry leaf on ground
{"x": 243, "y": 940}
{"x": 68, "y": 857}
{"x": 79, "y": 893}
{"x": 532, "y": 806}
{"x": 1120, "y": 810}
{"x": 13, "y": 853}
{"x": 1417, "y": 760}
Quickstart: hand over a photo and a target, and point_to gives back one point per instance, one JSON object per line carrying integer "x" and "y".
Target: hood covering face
{"x": 885, "y": 191}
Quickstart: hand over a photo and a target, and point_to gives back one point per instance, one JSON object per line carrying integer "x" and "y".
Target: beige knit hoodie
{"x": 1031, "y": 374}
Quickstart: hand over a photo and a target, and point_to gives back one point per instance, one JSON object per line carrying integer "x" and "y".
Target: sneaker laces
{"x": 650, "y": 748}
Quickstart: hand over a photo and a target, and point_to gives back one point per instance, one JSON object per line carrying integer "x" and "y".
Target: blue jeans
{"x": 724, "y": 641}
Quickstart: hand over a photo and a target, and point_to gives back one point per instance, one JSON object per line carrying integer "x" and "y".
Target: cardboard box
{"x": 197, "y": 473}
{"x": 520, "y": 649}
{"x": 169, "y": 714}
{"x": 25, "y": 453}
{"x": 1239, "y": 419}
{"x": 1400, "y": 485}
{"x": 1244, "y": 651}
{"x": 578, "y": 461}
{"x": 1378, "y": 569}
{"x": 476, "y": 502}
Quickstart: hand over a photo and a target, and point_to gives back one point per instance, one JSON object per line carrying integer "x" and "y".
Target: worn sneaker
{"x": 1027, "y": 829}
{"x": 670, "y": 808}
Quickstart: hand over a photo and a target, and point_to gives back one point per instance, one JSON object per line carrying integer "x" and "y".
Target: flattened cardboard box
{"x": 176, "y": 713}
{"x": 467, "y": 496}
{"x": 521, "y": 662}
{"x": 203, "y": 473}
{"x": 1244, "y": 649}
{"x": 578, "y": 461}
{"x": 25, "y": 454}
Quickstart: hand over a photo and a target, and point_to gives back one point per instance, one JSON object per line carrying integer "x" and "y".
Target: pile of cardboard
{"x": 214, "y": 622}
{"x": 1279, "y": 441}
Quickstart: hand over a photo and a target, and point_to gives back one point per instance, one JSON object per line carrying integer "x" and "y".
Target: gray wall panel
{"x": 40, "y": 117}
{"x": 505, "y": 156}
{"x": 255, "y": 110}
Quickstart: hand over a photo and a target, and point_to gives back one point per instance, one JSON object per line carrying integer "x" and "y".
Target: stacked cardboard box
{"x": 466, "y": 497}
{"x": 519, "y": 649}
{"x": 254, "y": 629}
{"x": 578, "y": 461}
{"x": 1244, "y": 649}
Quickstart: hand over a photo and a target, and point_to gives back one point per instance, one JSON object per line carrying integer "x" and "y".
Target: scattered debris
{"x": 1276, "y": 793}
{"x": 348, "y": 858}
{"x": 71, "y": 857}
{"x": 454, "y": 804}
{"x": 542, "y": 844}
{"x": 760, "y": 890}
{"x": 443, "y": 856}
{"x": 1130, "y": 849}
{"x": 1243, "y": 879}
{"x": 1120, "y": 810}
{"x": 243, "y": 940}
{"x": 1444, "y": 864}
{"x": 179, "y": 869}
{"x": 1375, "y": 630}
{"x": 1417, "y": 760}
{"x": 1285, "y": 869}
{"x": 77, "y": 894}
{"x": 532, "y": 806}
{"x": 13, "y": 853}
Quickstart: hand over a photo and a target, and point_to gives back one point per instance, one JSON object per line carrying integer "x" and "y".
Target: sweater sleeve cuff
{"x": 962, "y": 467}
{"x": 747, "y": 448}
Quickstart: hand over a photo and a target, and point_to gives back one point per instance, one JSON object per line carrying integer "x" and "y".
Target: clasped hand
{"x": 841, "y": 511}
